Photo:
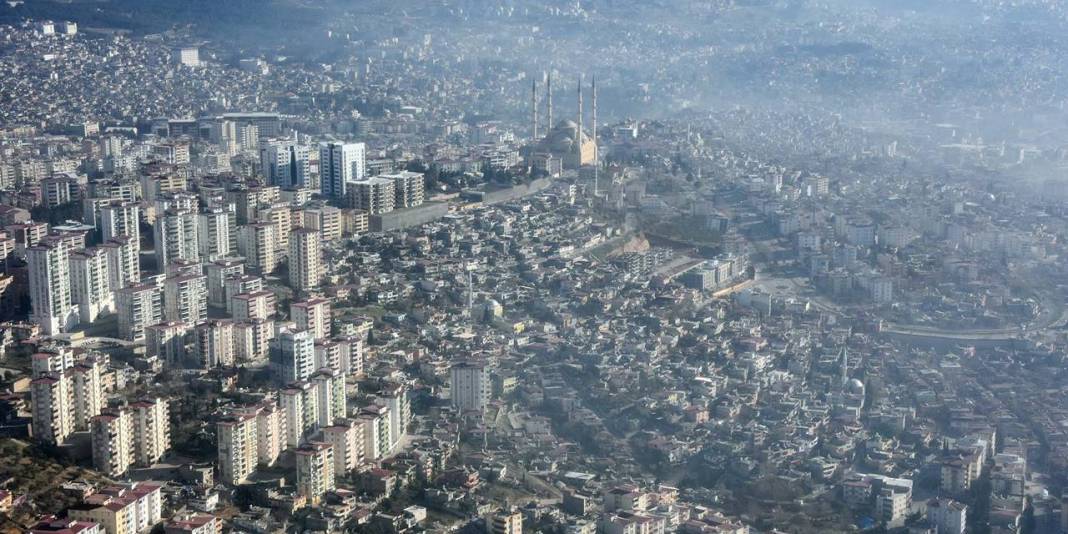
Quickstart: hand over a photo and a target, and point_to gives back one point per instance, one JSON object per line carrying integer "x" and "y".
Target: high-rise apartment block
{"x": 152, "y": 430}
{"x": 168, "y": 341}
{"x": 408, "y": 188}
{"x": 123, "y": 255}
{"x": 257, "y": 242}
{"x": 215, "y": 234}
{"x": 286, "y": 164}
{"x": 217, "y": 272}
{"x": 213, "y": 343}
{"x": 469, "y": 386}
{"x": 293, "y": 355}
{"x": 138, "y": 307}
{"x": 339, "y": 165}
{"x": 88, "y": 391}
{"x": 119, "y": 218}
{"x": 333, "y": 403}
{"x": 52, "y": 397}
{"x": 373, "y": 195}
{"x": 185, "y": 298}
{"x": 176, "y": 237}
{"x": 300, "y": 408}
{"x": 314, "y": 315}
{"x": 112, "y": 435}
{"x": 315, "y": 471}
{"x": 346, "y": 437}
{"x": 90, "y": 285}
{"x": 305, "y": 260}
{"x": 50, "y": 286}
{"x": 327, "y": 220}
{"x": 237, "y": 441}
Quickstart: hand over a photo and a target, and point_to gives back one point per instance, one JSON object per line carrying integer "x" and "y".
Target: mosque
{"x": 849, "y": 395}
{"x": 567, "y": 141}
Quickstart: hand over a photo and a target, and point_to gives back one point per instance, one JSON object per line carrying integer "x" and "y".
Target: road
{"x": 1051, "y": 316}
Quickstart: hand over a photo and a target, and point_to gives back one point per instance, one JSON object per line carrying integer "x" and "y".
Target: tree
{"x": 70, "y": 211}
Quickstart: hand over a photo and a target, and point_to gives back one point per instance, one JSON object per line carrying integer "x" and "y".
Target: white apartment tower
{"x": 395, "y": 398}
{"x": 176, "y": 237}
{"x": 257, "y": 242}
{"x": 327, "y": 355}
{"x": 88, "y": 391}
{"x": 469, "y": 386}
{"x": 326, "y": 219}
{"x": 258, "y": 305}
{"x": 408, "y": 187}
{"x": 271, "y": 433}
{"x": 167, "y": 341}
{"x": 344, "y": 354}
{"x": 186, "y": 55}
{"x": 185, "y": 298}
{"x": 217, "y": 272}
{"x": 123, "y": 261}
{"x": 112, "y": 438}
{"x": 252, "y": 340}
{"x": 50, "y": 291}
{"x": 152, "y": 430}
{"x": 315, "y": 471}
{"x": 214, "y": 343}
{"x": 46, "y": 363}
{"x": 237, "y": 447}
{"x": 280, "y": 215}
{"x": 138, "y": 307}
{"x": 305, "y": 260}
{"x": 90, "y": 284}
{"x": 339, "y": 165}
{"x": 333, "y": 404}
{"x": 300, "y": 409}
{"x": 120, "y": 219}
{"x": 52, "y": 397}
{"x": 237, "y": 284}
{"x": 214, "y": 234}
{"x": 374, "y": 195}
{"x": 293, "y": 355}
{"x": 286, "y": 164}
{"x": 376, "y": 431}
{"x": 314, "y": 315}
{"x": 346, "y": 437}
{"x": 351, "y": 355}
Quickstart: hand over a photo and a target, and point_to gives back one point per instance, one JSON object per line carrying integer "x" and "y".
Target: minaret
{"x": 549, "y": 99}
{"x": 845, "y": 366}
{"x": 596, "y": 155}
{"x": 534, "y": 109}
{"x": 578, "y": 131}
{"x": 470, "y": 295}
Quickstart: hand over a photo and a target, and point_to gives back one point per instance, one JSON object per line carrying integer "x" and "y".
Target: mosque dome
{"x": 856, "y": 387}
{"x": 561, "y": 139}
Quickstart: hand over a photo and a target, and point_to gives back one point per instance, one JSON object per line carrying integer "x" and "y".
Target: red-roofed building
{"x": 125, "y": 509}
{"x": 198, "y": 524}
{"x": 51, "y": 525}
